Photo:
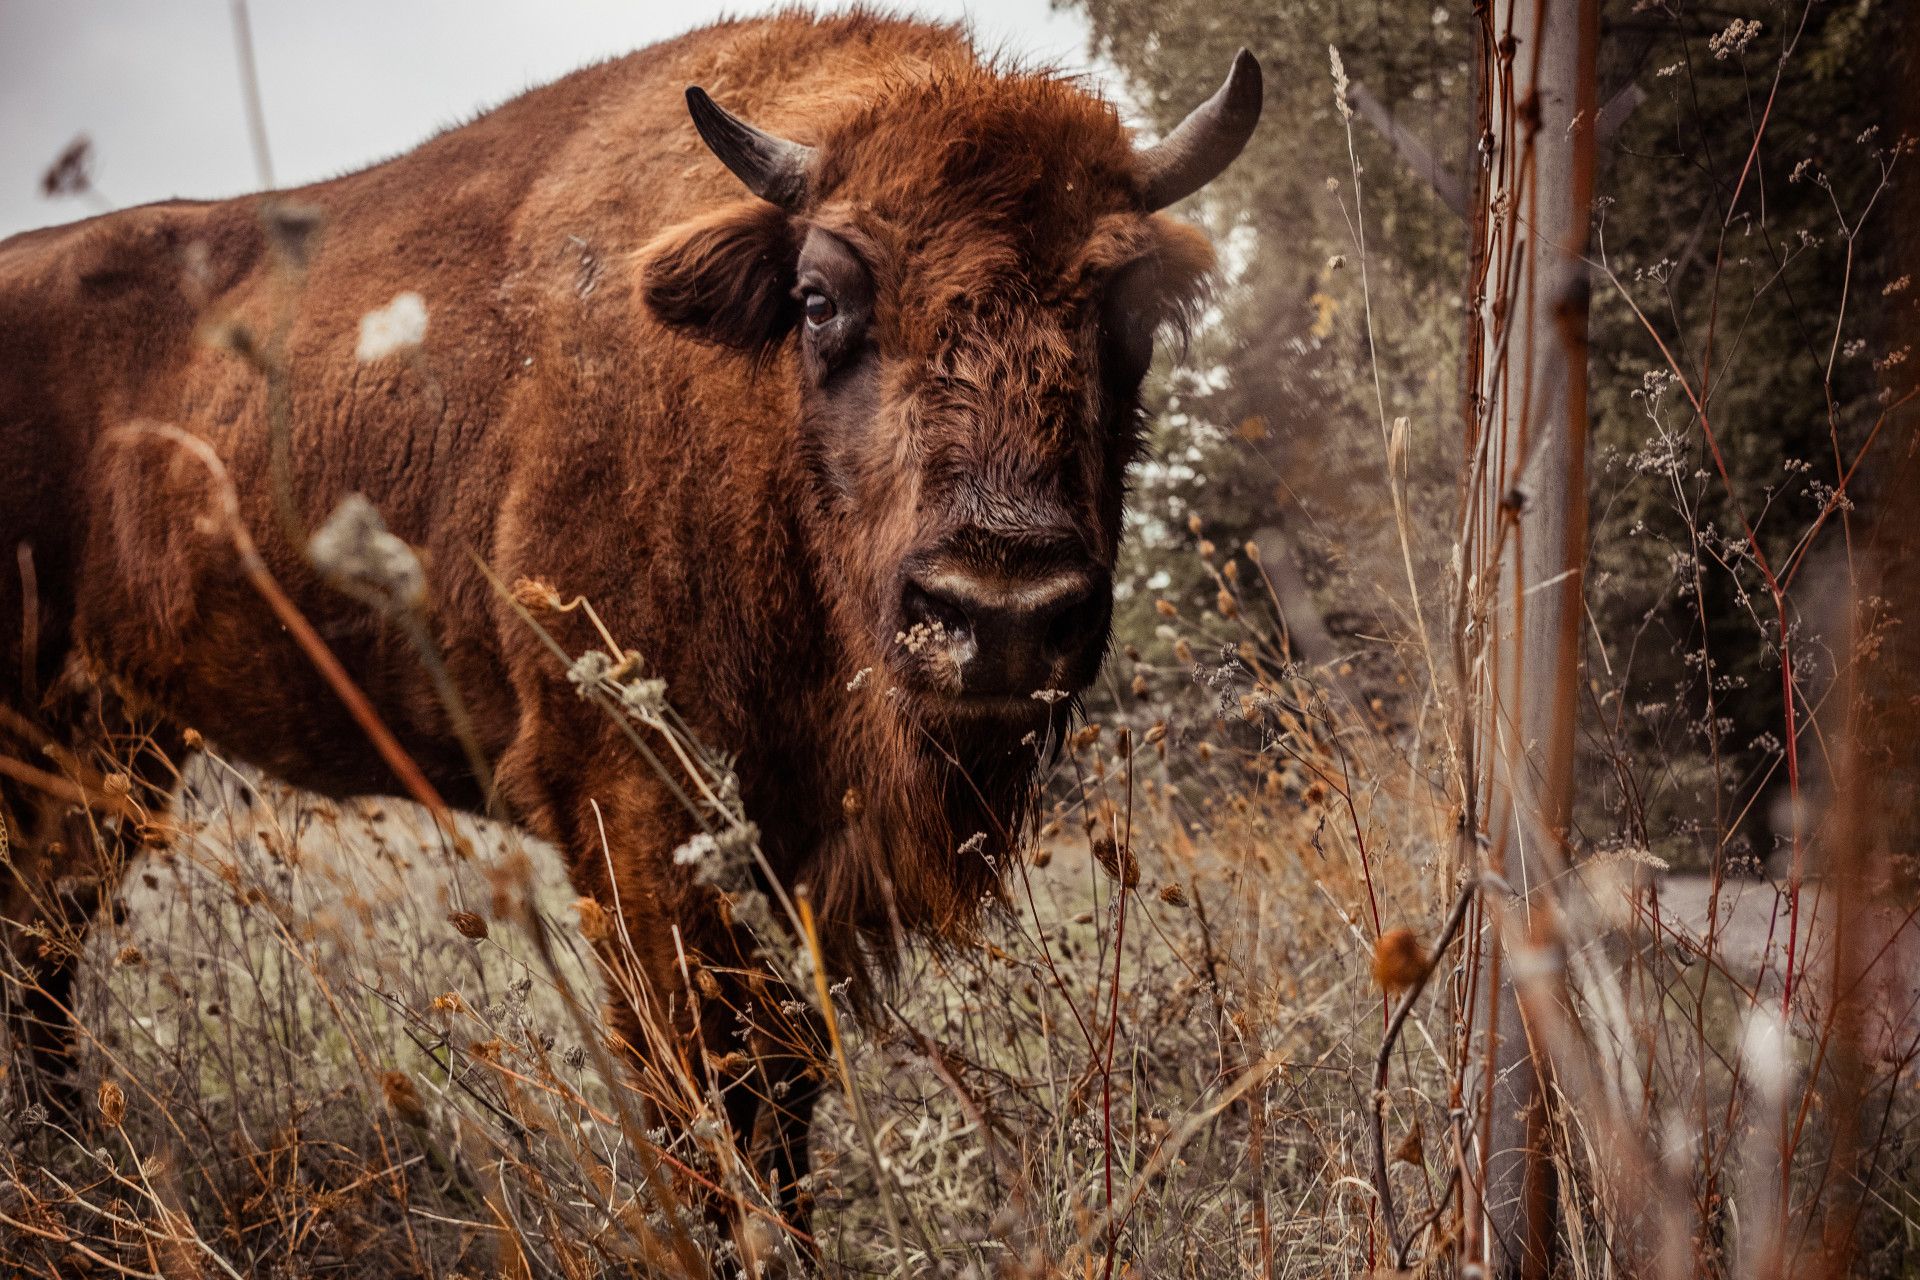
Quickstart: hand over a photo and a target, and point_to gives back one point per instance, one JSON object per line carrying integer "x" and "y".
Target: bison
{"x": 828, "y": 415}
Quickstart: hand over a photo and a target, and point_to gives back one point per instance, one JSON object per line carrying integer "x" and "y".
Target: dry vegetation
{"x": 336, "y": 1040}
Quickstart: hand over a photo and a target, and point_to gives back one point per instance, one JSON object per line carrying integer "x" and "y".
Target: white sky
{"x": 156, "y": 83}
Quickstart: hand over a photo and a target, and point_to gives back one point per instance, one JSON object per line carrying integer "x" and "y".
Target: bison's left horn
{"x": 773, "y": 168}
{"x": 1206, "y": 141}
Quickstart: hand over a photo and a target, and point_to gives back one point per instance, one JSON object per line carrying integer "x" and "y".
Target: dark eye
{"x": 819, "y": 308}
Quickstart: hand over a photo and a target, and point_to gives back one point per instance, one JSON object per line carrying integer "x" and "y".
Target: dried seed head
{"x": 536, "y": 593}
{"x": 1107, "y": 853}
{"x": 1193, "y": 523}
{"x": 1225, "y": 604}
{"x": 595, "y": 926}
{"x": 401, "y": 325}
{"x": 1413, "y": 1148}
{"x": 357, "y": 553}
{"x": 130, "y": 957}
{"x": 1165, "y": 608}
{"x": 71, "y": 173}
{"x": 467, "y": 924}
{"x": 1172, "y": 894}
{"x": 1252, "y": 550}
{"x": 1086, "y": 736}
{"x": 403, "y": 1099}
{"x": 1399, "y": 960}
{"x": 113, "y": 1103}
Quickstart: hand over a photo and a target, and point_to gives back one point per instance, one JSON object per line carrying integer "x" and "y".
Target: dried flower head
{"x": 113, "y": 1103}
{"x": 1399, "y": 961}
{"x": 1342, "y": 90}
{"x": 1413, "y": 1148}
{"x": 595, "y": 925}
{"x": 71, "y": 173}
{"x": 403, "y": 1098}
{"x": 467, "y": 924}
{"x": 357, "y": 553}
{"x": 1108, "y": 854}
{"x": 536, "y": 594}
{"x": 401, "y": 325}
{"x": 695, "y": 850}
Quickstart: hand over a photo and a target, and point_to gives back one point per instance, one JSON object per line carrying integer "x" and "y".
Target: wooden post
{"x": 1524, "y": 549}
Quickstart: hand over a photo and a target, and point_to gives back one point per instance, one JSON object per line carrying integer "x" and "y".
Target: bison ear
{"x": 727, "y": 277}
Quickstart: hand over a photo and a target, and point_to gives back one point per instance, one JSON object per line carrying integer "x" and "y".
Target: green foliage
{"x": 1765, "y": 272}
{"x": 1769, "y": 289}
{"x": 1269, "y": 422}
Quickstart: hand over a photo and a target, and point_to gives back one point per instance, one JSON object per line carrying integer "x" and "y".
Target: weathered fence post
{"x": 1524, "y": 546}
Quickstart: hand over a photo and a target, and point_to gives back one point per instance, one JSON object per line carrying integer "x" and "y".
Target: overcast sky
{"x": 156, "y": 83}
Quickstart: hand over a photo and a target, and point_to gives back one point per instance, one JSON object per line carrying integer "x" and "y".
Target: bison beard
{"x": 871, "y": 414}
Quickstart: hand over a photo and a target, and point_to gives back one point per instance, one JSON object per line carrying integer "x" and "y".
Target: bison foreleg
{"x": 71, "y": 824}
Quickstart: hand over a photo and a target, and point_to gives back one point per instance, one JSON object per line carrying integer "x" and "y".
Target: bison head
{"x": 961, "y": 278}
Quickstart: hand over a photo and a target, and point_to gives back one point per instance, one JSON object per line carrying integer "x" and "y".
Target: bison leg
{"x": 70, "y": 828}
{"x": 770, "y": 1099}
{"x": 731, "y": 1033}
{"x": 45, "y": 911}
{"x": 790, "y": 1067}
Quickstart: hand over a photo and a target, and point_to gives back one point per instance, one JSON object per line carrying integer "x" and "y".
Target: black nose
{"x": 1013, "y": 637}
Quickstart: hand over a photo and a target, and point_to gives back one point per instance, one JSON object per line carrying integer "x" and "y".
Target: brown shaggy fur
{"x": 613, "y": 398}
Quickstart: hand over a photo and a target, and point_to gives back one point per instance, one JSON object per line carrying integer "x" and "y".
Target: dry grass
{"x": 304, "y": 1062}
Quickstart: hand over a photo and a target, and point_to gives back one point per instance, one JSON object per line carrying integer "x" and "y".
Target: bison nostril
{"x": 920, "y": 606}
{"x": 1072, "y": 622}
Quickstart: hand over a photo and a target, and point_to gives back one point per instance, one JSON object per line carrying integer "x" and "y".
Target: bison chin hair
{"x": 946, "y": 810}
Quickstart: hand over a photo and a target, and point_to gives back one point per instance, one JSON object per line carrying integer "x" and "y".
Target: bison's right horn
{"x": 773, "y": 168}
{"x": 1206, "y": 141}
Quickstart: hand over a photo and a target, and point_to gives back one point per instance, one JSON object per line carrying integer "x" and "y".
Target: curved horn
{"x": 1206, "y": 141}
{"x": 773, "y": 168}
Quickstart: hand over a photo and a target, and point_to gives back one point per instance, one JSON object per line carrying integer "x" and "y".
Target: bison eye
{"x": 819, "y": 308}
